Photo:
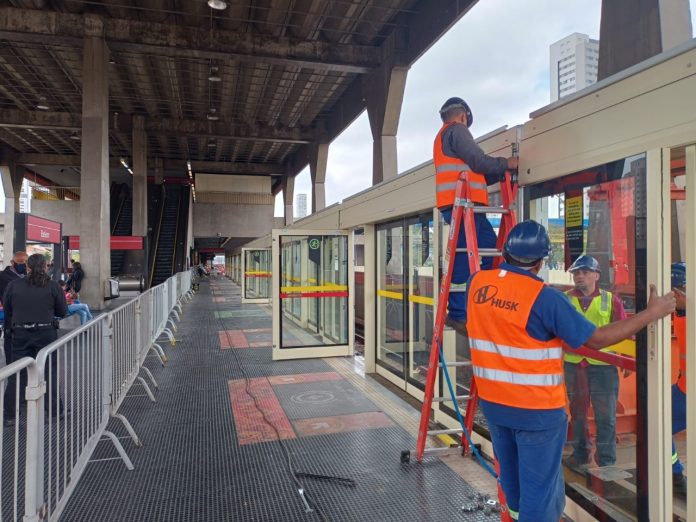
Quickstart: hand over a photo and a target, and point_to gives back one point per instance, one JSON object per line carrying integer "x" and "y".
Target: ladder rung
{"x": 443, "y": 451}
{"x": 488, "y": 252}
{"x": 449, "y": 399}
{"x": 491, "y": 210}
{"x": 456, "y": 364}
{"x": 452, "y": 431}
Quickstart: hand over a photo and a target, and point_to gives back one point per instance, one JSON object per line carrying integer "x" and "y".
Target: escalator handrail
{"x": 157, "y": 237}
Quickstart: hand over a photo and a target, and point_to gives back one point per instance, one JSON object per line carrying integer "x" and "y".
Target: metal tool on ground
{"x": 463, "y": 213}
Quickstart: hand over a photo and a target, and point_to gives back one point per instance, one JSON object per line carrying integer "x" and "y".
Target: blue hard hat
{"x": 678, "y": 275}
{"x": 585, "y": 262}
{"x": 528, "y": 242}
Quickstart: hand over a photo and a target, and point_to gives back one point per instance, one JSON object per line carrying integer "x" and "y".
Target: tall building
{"x": 301, "y": 205}
{"x": 574, "y": 61}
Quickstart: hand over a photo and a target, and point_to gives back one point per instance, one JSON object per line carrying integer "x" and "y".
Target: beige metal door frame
{"x": 314, "y": 351}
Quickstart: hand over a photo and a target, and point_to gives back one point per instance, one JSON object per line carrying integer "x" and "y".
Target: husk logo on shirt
{"x": 487, "y": 294}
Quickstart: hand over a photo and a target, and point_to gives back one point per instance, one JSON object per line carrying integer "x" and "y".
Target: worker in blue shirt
{"x": 516, "y": 327}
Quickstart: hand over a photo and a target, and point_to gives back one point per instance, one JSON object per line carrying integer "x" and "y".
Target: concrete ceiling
{"x": 292, "y": 73}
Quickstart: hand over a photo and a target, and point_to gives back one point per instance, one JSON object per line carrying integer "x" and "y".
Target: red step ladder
{"x": 463, "y": 213}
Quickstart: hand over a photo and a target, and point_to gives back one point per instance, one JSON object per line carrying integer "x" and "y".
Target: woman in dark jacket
{"x": 74, "y": 283}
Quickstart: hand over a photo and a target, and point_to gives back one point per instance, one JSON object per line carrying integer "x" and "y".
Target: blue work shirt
{"x": 551, "y": 316}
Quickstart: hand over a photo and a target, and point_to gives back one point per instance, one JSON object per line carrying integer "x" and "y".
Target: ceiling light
{"x": 213, "y": 76}
{"x": 217, "y": 4}
{"x": 42, "y": 104}
{"x": 75, "y": 136}
{"x": 212, "y": 115}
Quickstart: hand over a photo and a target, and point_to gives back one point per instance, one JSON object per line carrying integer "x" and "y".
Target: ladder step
{"x": 452, "y": 431}
{"x": 442, "y": 451}
{"x": 491, "y": 210}
{"x": 487, "y": 252}
{"x": 456, "y": 364}
{"x": 449, "y": 399}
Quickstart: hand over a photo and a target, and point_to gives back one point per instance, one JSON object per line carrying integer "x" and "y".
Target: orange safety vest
{"x": 510, "y": 366}
{"x": 447, "y": 170}
{"x": 680, "y": 332}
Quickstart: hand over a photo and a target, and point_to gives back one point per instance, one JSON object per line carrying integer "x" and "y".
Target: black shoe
{"x": 457, "y": 326}
{"x": 679, "y": 485}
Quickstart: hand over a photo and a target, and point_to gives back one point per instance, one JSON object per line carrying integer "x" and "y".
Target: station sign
{"x": 42, "y": 230}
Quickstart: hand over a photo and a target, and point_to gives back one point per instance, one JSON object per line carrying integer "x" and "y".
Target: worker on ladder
{"x": 679, "y": 388}
{"x": 454, "y": 152}
{"x": 516, "y": 325}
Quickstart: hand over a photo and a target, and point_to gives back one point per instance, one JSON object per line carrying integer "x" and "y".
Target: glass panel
{"x": 420, "y": 296}
{"x": 314, "y": 293}
{"x": 257, "y": 274}
{"x": 391, "y": 331}
{"x": 601, "y": 212}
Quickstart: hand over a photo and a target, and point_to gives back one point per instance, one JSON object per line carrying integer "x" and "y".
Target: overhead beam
{"x": 426, "y": 21}
{"x": 16, "y": 118}
{"x": 128, "y": 35}
{"x": 215, "y": 167}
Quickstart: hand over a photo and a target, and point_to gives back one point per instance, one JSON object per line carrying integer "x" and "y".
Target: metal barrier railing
{"x": 72, "y": 389}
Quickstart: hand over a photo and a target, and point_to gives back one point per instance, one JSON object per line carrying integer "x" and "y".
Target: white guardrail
{"x": 71, "y": 390}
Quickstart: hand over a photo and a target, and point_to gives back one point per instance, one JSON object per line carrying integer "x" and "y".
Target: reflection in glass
{"x": 601, "y": 212}
{"x": 257, "y": 274}
{"x": 314, "y": 291}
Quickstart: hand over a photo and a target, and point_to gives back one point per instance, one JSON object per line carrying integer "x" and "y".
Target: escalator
{"x": 122, "y": 225}
{"x": 166, "y": 232}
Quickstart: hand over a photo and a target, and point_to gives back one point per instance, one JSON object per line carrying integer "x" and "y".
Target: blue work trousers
{"x": 598, "y": 385}
{"x": 530, "y": 470}
{"x": 678, "y": 423}
{"x": 460, "y": 273}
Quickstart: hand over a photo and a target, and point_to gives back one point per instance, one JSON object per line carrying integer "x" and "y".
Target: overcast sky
{"x": 496, "y": 58}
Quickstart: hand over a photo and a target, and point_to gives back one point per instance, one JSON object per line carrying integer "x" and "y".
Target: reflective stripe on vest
{"x": 510, "y": 366}
{"x": 447, "y": 171}
{"x": 680, "y": 334}
{"x": 599, "y": 314}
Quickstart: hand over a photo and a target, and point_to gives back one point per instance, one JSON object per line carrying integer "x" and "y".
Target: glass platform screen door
{"x": 313, "y": 311}
{"x": 256, "y": 275}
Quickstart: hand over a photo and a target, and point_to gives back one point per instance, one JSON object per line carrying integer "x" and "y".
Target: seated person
{"x": 74, "y": 306}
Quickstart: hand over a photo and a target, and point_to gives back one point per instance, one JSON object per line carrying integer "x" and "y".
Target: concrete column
{"x": 288, "y": 197}
{"x": 95, "y": 253}
{"x": 159, "y": 171}
{"x": 139, "y": 176}
{"x": 384, "y": 92}
{"x": 318, "y": 159}
{"x": 12, "y": 177}
{"x": 631, "y": 32}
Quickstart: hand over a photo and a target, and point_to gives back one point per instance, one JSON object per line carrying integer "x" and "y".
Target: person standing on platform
{"x": 454, "y": 152}
{"x": 589, "y": 380}
{"x": 516, "y": 327}
{"x": 31, "y": 306}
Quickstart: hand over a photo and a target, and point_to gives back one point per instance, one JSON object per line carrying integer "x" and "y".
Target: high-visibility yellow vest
{"x": 598, "y": 313}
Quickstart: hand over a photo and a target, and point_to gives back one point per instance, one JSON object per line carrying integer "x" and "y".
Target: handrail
{"x": 157, "y": 237}
{"x": 176, "y": 233}
{"x": 119, "y": 211}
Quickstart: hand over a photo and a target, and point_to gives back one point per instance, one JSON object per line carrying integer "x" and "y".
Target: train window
{"x": 601, "y": 212}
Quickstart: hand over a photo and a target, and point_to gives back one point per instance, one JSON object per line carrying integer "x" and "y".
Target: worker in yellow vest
{"x": 679, "y": 387}
{"x": 589, "y": 380}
